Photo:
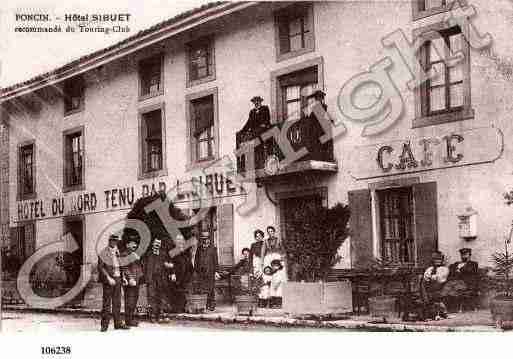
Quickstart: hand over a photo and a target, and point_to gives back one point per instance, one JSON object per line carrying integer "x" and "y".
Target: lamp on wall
{"x": 467, "y": 224}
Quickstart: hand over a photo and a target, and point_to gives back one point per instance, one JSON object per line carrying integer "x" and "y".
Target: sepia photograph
{"x": 279, "y": 166}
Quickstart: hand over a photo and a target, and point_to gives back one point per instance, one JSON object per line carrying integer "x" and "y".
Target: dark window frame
{"x": 423, "y": 117}
{"x": 209, "y": 43}
{"x": 66, "y": 137}
{"x": 403, "y": 215}
{"x": 73, "y": 88}
{"x": 21, "y": 194}
{"x": 144, "y": 171}
{"x": 192, "y": 144}
{"x": 419, "y": 11}
{"x": 277, "y": 96}
{"x": 144, "y": 68}
{"x": 282, "y": 20}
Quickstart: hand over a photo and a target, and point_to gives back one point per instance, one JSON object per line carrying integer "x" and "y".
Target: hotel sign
{"x": 456, "y": 149}
{"x": 219, "y": 187}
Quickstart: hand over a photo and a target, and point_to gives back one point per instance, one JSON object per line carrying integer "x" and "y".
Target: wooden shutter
{"x": 361, "y": 228}
{"x": 30, "y": 239}
{"x": 225, "y": 240}
{"x": 426, "y": 222}
{"x": 283, "y": 33}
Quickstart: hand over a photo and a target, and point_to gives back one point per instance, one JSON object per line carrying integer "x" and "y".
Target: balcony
{"x": 269, "y": 156}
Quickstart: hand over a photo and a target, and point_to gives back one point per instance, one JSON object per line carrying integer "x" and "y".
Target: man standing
{"x": 259, "y": 120}
{"x": 111, "y": 278}
{"x": 182, "y": 273}
{"x": 134, "y": 274}
{"x": 155, "y": 266}
{"x": 205, "y": 266}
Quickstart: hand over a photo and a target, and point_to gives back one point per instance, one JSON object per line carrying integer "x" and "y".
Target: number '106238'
{"x": 55, "y": 350}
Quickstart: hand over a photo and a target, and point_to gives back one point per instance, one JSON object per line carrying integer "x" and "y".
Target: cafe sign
{"x": 456, "y": 149}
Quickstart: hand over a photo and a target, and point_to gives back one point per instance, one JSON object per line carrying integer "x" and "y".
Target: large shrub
{"x": 313, "y": 237}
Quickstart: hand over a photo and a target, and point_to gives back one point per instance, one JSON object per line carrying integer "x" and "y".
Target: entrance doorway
{"x": 396, "y": 217}
{"x": 72, "y": 262}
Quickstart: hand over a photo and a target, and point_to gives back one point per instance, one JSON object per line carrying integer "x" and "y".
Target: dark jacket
{"x": 105, "y": 266}
{"x": 205, "y": 266}
{"x": 183, "y": 269}
{"x": 243, "y": 267}
{"x": 468, "y": 273}
{"x": 255, "y": 250}
{"x": 154, "y": 269}
{"x": 258, "y": 122}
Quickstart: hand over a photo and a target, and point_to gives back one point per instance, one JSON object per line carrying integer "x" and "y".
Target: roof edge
{"x": 122, "y": 48}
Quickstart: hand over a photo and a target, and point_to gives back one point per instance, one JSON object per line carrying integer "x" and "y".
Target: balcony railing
{"x": 303, "y": 133}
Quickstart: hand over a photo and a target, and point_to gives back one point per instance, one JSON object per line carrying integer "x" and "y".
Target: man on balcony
{"x": 259, "y": 120}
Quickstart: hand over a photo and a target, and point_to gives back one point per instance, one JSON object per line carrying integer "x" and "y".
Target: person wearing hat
{"x": 181, "y": 274}
{"x": 317, "y": 112}
{"x": 156, "y": 265}
{"x": 206, "y": 266}
{"x": 259, "y": 120}
{"x": 111, "y": 277}
{"x": 462, "y": 282}
{"x": 433, "y": 282}
{"x": 134, "y": 274}
{"x": 255, "y": 255}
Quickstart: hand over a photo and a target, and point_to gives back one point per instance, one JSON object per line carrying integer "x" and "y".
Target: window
{"x": 150, "y": 77}
{"x": 26, "y": 178}
{"x": 74, "y": 159}
{"x": 424, "y": 8}
{"x": 152, "y": 141}
{"x": 294, "y": 31}
{"x": 73, "y": 95}
{"x": 200, "y": 61}
{"x": 203, "y": 127}
{"x": 445, "y": 97}
{"x": 396, "y": 225}
{"x": 203, "y": 117}
{"x": 23, "y": 241}
{"x": 291, "y": 84}
{"x": 294, "y": 89}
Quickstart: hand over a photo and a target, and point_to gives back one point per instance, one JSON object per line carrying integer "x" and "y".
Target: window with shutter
{"x": 150, "y": 77}
{"x": 152, "y": 149}
{"x": 200, "y": 61}
{"x": 202, "y": 116}
{"x": 26, "y": 170}
{"x": 294, "y": 31}
{"x": 360, "y": 224}
{"x": 73, "y": 163}
{"x": 73, "y": 95}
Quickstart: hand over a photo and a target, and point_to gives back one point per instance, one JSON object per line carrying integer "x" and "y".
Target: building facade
{"x": 163, "y": 108}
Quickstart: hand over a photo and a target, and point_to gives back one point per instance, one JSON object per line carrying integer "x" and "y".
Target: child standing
{"x": 277, "y": 280}
{"x": 263, "y": 297}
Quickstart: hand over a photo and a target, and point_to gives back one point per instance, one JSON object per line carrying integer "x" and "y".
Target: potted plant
{"x": 195, "y": 298}
{"x": 313, "y": 237}
{"x": 246, "y": 289}
{"x": 380, "y": 304}
{"x": 501, "y": 305}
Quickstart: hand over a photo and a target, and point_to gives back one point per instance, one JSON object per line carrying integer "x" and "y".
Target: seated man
{"x": 433, "y": 282}
{"x": 462, "y": 282}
